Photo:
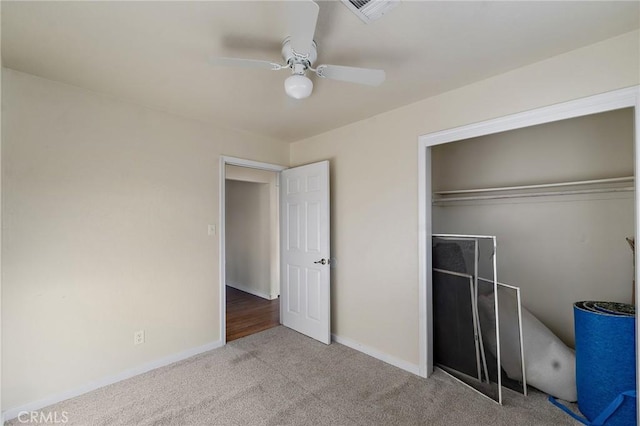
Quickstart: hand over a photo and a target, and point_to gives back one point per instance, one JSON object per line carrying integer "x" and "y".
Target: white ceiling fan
{"x": 299, "y": 52}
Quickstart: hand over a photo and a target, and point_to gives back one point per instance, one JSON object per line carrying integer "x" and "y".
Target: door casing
{"x": 224, "y": 161}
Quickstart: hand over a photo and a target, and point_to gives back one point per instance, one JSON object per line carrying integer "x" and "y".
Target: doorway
{"x": 252, "y": 286}
{"x": 249, "y": 247}
{"x": 301, "y": 250}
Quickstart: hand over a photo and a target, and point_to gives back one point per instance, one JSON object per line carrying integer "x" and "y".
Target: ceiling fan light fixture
{"x": 299, "y": 53}
{"x": 298, "y": 86}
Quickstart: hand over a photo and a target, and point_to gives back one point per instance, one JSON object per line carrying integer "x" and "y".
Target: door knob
{"x": 322, "y": 261}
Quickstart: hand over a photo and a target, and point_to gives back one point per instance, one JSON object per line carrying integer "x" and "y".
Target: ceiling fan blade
{"x": 245, "y": 63}
{"x": 366, "y": 76}
{"x": 302, "y": 16}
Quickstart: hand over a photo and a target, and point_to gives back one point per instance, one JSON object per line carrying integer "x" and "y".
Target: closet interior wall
{"x": 557, "y": 248}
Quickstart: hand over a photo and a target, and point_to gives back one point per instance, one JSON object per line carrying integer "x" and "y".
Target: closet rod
{"x": 539, "y": 186}
{"x": 534, "y": 194}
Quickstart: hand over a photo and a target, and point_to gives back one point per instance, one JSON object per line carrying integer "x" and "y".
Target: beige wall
{"x": 248, "y": 237}
{"x": 558, "y": 249}
{"x": 269, "y": 230}
{"x": 105, "y": 213}
{"x": 374, "y": 183}
{"x": 591, "y": 147}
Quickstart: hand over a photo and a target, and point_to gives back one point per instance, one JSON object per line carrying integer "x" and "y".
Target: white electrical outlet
{"x": 211, "y": 230}
{"x": 138, "y": 337}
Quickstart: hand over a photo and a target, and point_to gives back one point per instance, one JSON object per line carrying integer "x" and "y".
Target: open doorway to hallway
{"x": 248, "y": 314}
{"x": 252, "y": 284}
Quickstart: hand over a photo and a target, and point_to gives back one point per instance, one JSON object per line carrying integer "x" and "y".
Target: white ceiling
{"x": 156, "y": 53}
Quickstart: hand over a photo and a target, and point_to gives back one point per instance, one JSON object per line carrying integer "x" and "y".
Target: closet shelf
{"x": 592, "y": 186}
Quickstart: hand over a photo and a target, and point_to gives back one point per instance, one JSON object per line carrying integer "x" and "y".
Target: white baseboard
{"x": 248, "y": 289}
{"x": 407, "y": 366}
{"x": 12, "y": 413}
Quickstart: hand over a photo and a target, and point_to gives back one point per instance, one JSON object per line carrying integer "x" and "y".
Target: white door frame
{"x": 617, "y": 99}
{"x": 234, "y": 161}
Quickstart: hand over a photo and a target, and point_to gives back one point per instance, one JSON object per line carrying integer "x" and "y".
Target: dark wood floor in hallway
{"x": 248, "y": 314}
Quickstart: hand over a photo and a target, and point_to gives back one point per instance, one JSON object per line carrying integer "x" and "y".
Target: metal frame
{"x": 495, "y": 292}
{"x": 473, "y": 291}
{"x": 483, "y": 357}
{"x": 522, "y": 360}
{"x": 477, "y": 328}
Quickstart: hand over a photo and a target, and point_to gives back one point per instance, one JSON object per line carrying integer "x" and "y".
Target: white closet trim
{"x": 617, "y": 99}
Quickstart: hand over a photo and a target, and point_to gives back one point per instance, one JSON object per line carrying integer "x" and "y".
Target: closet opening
{"x": 556, "y": 187}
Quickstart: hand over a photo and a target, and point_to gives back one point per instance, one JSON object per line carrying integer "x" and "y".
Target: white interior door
{"x": 304, "y": 242}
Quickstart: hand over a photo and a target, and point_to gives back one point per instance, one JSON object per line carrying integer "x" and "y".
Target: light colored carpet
{"x": 280, "y": 377}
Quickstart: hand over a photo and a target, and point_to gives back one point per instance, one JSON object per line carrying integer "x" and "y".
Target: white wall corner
{"x": 251, "y": 290}
{"x": 389, "y": 359}
{"x": 12, "y": 413}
